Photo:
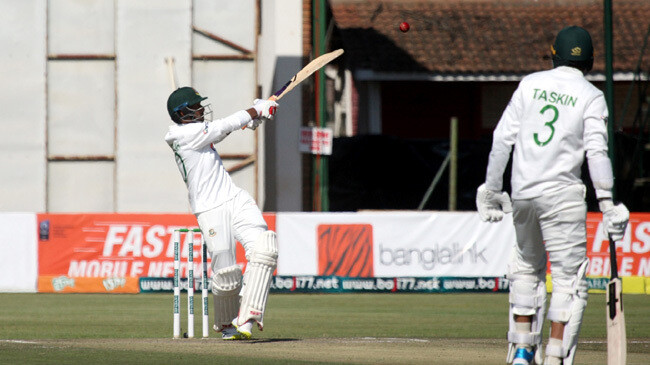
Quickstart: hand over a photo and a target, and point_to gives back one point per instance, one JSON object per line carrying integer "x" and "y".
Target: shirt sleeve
{"x": 217, "y": 130}
{"x": 595, "y": 142}
{"x": 503, "y": 139}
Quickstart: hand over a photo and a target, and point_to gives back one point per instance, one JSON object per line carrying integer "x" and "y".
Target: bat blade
{"x": 313, "y": 66}
{"x": 616, "y": 337}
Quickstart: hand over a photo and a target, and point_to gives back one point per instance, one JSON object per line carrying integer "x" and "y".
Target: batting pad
{"x": 259, "y": 273}
{"x": 527, "y": 297}
{"x": 569, "y": 307}
{"x": 226, "y": 284}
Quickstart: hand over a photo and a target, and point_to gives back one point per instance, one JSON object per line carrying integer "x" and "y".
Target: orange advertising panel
{"x": 65, "y": 284}
{"x": 632, "y": 252}
{"x": 115, "y": 245}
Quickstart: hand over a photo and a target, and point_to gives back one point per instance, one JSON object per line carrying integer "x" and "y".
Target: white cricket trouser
{"x": 238, "y": 219}
{"x": 553, "y": 223}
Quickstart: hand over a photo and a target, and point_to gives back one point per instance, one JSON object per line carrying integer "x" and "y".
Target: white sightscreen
{"x": 19, "y": 252}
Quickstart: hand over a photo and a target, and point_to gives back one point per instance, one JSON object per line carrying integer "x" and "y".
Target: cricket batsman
{"x": 225, "y": 212}
{"x": 553, "y": 120}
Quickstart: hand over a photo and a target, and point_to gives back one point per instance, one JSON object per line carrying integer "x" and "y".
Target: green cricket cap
{"x": 573, "y": 44}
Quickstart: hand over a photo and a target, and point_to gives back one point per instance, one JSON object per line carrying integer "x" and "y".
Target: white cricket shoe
{"x": 230, "y": 333}
{"x": 245, "y": 330}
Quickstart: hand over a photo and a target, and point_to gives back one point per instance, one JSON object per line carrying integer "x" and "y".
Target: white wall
{"x": 22, "y": 100}
{"x": 280, "y": 57}
{"x": 81, "y": 101}
{"x": 147, "y": 32}
{"x": 85, "y": 91}
{"x": 18, "y": 252}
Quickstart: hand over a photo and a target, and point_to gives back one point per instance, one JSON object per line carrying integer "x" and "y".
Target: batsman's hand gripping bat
{"x": 306, "y": 71}
{"x": 616, "y": 338}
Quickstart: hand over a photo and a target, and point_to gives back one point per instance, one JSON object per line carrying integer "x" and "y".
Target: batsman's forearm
{"x": 235, "y": 121}
{"x": 497, "y": 162}
{"x": 253, "y": 113}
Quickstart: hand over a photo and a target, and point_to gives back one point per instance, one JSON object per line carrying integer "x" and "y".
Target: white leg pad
{"x": 259, "y": 274}
{"x": 568, "y": 306}
{"x": 226, "y": 285}
{"x": 527, "y": 298}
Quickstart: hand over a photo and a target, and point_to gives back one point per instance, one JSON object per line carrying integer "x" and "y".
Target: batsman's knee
{"x": 569, "y": 286}
{"x": 227, "y": 281}
{"x": 527, "y": 294}
{"x": 265, "y": 251}
{"x": 226, "y": 285}
{"x": 259, "y": 273}
{"x": 568, "y": 304}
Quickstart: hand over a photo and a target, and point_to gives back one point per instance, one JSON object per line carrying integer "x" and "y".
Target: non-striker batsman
{"x": 553, "y": 120}
{"x": 225, "y": 212}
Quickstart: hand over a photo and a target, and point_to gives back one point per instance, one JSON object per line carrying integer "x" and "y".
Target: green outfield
{"x": 299, "y": 328}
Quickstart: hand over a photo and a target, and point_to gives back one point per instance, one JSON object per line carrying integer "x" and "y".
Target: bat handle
{"x": 612, "y": 257}
{"x": 272, "y": 97}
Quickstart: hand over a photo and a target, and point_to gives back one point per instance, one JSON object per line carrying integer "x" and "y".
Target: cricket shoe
{"x": 245, "y": 330}
{"x": 229, "y": 333}
{"x": 524, "y": 356}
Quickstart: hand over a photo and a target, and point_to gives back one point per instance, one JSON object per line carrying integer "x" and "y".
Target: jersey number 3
{"x": 548, "y": 124}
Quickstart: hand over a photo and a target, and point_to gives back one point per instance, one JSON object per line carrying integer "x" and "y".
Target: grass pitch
{"x": 299, "y": 328}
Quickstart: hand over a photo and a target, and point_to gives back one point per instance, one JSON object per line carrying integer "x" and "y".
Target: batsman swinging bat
{"x": 616, "y": 338}
{"x": 306, "y": 71}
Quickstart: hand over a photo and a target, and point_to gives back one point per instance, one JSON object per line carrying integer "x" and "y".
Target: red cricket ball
{"x": 404, "y": 27}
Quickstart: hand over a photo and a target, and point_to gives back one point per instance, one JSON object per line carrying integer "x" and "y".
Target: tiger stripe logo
{"x": 345, "y": 250}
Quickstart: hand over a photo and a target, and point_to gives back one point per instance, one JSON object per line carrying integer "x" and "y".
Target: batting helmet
{"x": 573, "y": 47}
{"x": 180, "y": 100}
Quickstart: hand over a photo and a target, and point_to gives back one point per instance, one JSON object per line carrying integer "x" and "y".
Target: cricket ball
{"x": 404, "y": 27}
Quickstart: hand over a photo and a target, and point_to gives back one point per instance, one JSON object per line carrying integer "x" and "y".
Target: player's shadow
{"x": 270, "y": 340}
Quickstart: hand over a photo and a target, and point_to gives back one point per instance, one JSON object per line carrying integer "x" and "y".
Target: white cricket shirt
{"x": 553, "y": 118}
{"x": 208, "y": 183}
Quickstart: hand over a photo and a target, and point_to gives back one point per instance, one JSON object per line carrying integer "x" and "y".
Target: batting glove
{"x": 615, "y": 218}
{"x": 265, "y": 108}
{"x": 492, "y": 204}
{"x": 253, "y": 124}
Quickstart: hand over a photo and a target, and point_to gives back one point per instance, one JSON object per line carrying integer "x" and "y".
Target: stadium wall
{"x": 394, "y": 251}
{"x": 94, "y": 78}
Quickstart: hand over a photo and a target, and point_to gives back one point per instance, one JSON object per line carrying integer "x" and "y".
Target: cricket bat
{"x": 616, "y": 338}
{"x": 313, "y": 66}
